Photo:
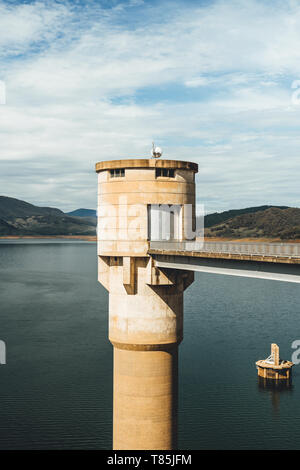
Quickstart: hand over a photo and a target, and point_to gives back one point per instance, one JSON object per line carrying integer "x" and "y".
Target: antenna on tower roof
{"x": 156, "y": 152}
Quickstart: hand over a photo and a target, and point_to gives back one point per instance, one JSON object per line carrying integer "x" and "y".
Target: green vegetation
{"x": 272, "y": 222}
{"x": 219, "y": 217}
{"x": 23, "y": 219}
{"x": 19, "y": 218}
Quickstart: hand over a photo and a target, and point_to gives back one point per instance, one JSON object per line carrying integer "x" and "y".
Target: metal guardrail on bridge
{"x": 240, "y": 248}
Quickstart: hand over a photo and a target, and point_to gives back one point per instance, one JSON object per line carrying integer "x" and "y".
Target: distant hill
{"x": 272, "y": 222}
{"x": 7, "y": 229}
{"x": 219, "y": 217}
{"x": 83, "y": 213}
{"x": 21, "y": 218}
{"x": 11, "y": 208}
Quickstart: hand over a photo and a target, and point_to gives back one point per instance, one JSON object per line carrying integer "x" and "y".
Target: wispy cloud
{"x": 217, "y": 82}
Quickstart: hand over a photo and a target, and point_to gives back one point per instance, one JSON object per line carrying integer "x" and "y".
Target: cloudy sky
{"x": 210, "y": 81}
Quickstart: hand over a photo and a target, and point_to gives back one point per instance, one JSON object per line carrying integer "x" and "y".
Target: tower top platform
{"x": 146, "y": 163}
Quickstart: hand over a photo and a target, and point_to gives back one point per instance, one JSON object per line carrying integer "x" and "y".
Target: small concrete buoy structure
{"x": 273, "y": 367}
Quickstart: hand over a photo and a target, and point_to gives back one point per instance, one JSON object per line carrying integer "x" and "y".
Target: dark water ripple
{"x": 56, "y": 389}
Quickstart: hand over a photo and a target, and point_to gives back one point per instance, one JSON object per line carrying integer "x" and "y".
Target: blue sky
{"x": 209, "y": 81}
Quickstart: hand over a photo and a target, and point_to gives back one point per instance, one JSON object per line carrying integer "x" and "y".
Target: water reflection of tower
{"x": 275, "y": 388}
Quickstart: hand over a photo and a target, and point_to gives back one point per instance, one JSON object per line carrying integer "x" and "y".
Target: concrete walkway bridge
{"x": 274, "y": 261}
{"x": 139, "y": 202}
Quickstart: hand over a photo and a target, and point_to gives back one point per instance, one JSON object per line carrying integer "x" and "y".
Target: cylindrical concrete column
{"x": 145, "y": 303}
{"x": 145, "y": 330}
{"x": 145, "y": 398}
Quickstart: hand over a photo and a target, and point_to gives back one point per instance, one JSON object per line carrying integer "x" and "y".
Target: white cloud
{"x": 197, "y": 81}
{"x": 21, "y": 25}
{"x": 75, "y": 78}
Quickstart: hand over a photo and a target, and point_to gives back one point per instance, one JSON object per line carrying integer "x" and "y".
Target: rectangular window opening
{"x": 117, "y": 172}
{"x": 164, "y": 172}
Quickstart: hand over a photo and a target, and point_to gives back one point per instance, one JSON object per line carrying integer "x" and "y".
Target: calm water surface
{"x": 56, "y": 388}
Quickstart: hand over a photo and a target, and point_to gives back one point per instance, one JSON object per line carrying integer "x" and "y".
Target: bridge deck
{"x": 278, "y": 261}
{"x": 287, "y": 253}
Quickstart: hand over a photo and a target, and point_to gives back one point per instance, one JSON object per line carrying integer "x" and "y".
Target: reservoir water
{"x": 56, "y": 388}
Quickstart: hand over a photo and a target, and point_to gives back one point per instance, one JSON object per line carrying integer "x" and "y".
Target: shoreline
{"x": 251, "y": 240}
{"x": 91, "y": 238}
{"x": 87, "y": 238}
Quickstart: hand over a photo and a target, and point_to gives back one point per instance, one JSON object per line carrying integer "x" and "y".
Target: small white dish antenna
{"x": 156, "y": 152}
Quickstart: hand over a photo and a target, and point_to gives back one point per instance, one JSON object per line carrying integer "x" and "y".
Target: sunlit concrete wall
{"x": 145, "y": 303}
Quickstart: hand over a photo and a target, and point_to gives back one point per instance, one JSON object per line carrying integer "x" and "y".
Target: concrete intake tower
{"x": 140, "y": 200}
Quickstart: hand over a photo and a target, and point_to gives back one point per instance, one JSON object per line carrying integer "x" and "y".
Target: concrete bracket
{"x": 129, "y": 275}
{"x": 159, "y": 277}
{"x": 149, "y": 271}
{"x": 103, "y": 271}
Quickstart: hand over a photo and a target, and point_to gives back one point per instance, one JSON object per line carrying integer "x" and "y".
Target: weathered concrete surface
{"x": 145, "y": 303}
{"x": 227, "y": 256}
{"x": 145, "y": 399}
{"x": 153, "y": 315}
{"x": 284, "y": 371}
{"x": 273, "y": 367}
{"x": 146, "y": 163}
{"x": 123, "y": 201}
{"x": 145, "y": 328}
